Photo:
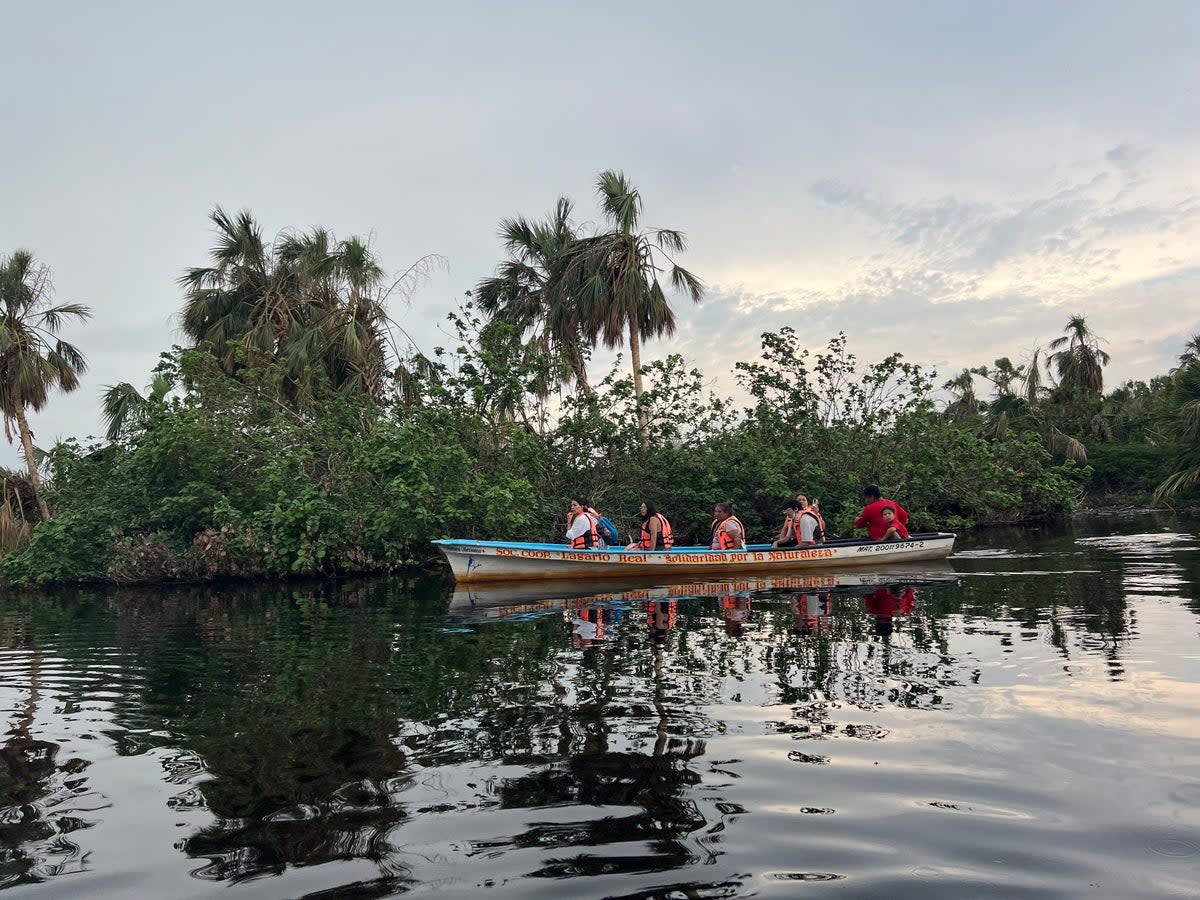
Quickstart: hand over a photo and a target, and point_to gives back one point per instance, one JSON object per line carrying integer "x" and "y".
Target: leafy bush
{"x": 226, "y": 480}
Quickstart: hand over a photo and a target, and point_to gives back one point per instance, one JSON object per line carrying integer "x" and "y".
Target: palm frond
{"x": 1032, "y": 387}
{"x": 619, "y": 200}
{"x": 120, "y": 406}
{"x": 1177, "y": 482}
{"x": 1064, "y": 445}
{"x": 71, "y": 356}
{"x": 671, "y": 240}
{"x": 52, "y": 318}
{"x": 685, "y": 281}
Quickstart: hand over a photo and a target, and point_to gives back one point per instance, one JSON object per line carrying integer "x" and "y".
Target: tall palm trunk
{"x": 635, "y": 355}
{"x": 27, "y": 443}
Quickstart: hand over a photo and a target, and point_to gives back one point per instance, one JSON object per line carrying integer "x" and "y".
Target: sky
{"x": 950, "y": 180}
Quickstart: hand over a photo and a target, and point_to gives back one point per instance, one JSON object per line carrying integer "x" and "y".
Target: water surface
{"x": 1022, "y": 724}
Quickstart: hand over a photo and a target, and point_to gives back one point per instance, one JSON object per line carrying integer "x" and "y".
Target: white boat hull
{"x": 479, "y": 561}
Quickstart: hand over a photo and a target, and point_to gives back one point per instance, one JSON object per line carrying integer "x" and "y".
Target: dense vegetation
{"x": 295, "y": 435}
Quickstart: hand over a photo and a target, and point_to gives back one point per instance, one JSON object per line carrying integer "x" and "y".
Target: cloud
{"x": 1143, "y": 325}
{"x": 1103, "y": 227}
{"x": 1128, "y": 159}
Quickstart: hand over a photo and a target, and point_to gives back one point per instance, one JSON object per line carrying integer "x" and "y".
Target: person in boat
{"x": 804, "y": 526}
{"x": 582, "y": 522}
{"x": 871, "y": 517}
{"x": 656, "y": 530}
{"x": 728, "y": 532}
{"x": 609, "y": 535}
{"x": 896, "y": 531}
{"x": 787, "y": 532}
{"x": 810, "y": 526}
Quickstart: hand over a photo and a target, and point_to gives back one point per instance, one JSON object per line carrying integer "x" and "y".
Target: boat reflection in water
{"x": 595, "y": 615}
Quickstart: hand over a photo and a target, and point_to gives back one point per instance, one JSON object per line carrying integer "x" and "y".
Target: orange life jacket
{"x": 666, "y": 537}
{"x": 790, "y": 532}
{"x": 724, "y": 540}
{"x": 589, "y": 538}
{"x": 819, "y": 533}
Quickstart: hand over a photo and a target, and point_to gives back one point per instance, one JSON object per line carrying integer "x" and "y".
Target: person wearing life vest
{"x": 803, "y": 526}
{"x": 728, "y": 533}
{"x": 656, "y": 530}
{"x": 810, "y": 527}
{"x": 581, "y": 528}
{"x": 787, "y": 532}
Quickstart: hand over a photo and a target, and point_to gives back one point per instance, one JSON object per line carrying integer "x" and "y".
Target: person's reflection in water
{"x": 810, "y": 612}
{"x": 590, "y": 627}
{"x": 886, "y": 603}
{"x": 660, "y": 619}
{"x": 736, "y": 610}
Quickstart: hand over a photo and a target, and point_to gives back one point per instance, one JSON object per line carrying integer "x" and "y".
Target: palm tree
{"x": 242, "y": 297}
{"x": 1191, "y": 352}
{"x": 1002, "y": 374}
{"x": 33, "y": 359}
{"x": 312, "y": 304}
{"x": 965, "y": 404}
{"x": 122, "y": 407}
{"x": 1181, "y": 414}
{"x": 342, "y": 326}
{"x": 1026, "y": 410}
{"x": 1078, "y": 360}
{"x": 1031, "y": 384}
{"x": 614, "y": 275}
{"x": 529, "y": 288}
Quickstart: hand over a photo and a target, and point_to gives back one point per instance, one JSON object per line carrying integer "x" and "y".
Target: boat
{"x": 476, "y": 561}
{"x": 494, "y": 601}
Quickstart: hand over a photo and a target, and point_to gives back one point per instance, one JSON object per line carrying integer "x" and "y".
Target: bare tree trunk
{"x": 27, "y": 443}
{"x": 635, "y": 356}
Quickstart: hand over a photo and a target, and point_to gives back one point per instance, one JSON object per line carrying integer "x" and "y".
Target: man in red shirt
{"x": 871, "y": 517}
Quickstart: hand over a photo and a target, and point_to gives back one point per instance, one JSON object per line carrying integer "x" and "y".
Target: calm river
{"x": 1022, "y": 723}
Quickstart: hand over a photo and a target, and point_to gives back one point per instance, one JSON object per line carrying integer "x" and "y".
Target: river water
{"x": 1021, "y": 723}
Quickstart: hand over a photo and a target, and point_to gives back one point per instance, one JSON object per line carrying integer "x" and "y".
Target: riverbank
{"x": 228, "y": 481}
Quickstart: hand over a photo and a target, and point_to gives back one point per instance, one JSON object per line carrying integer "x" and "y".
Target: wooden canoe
{"x": 478, "y": 561}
